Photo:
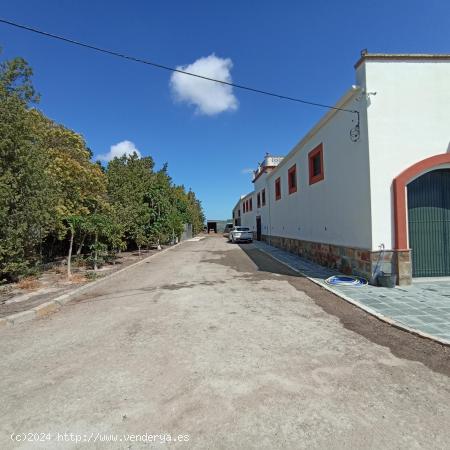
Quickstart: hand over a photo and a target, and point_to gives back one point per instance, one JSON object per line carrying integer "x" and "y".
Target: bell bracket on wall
{"x": 355, "y": 132}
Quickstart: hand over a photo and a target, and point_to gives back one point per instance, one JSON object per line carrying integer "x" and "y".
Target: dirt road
{"x": 225, "y": 347}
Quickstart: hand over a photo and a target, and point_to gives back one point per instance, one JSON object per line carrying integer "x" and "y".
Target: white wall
{"x": 335, "y": 210}
{"x": 248, "y": 219}
{"x": 408, "y": 120}
{"x": 259, "y": 185}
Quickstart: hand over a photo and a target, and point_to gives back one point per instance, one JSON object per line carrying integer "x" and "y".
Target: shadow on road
{"x": 402, "y": 344}
{"x": 265, "y": 263}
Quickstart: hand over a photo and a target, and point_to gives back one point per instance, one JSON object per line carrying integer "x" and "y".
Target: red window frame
{"x": 263, "y": 197}
{"x": 317, "y": 151}
{"x": 292, "y": 187}
{"x": 278, "y": 188}
{"x": 258, "y": 200}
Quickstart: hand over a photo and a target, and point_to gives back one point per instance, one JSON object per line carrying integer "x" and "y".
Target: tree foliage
{"x": 54, "y": 197}
{"x": 25, "y": 191}
{"x": 151, "y": 209}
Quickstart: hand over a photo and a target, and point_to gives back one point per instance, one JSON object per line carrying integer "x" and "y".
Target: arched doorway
{"x": 429, "y": 223}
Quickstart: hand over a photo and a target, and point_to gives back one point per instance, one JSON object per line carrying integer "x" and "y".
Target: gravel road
{"x": 223, "y": 346}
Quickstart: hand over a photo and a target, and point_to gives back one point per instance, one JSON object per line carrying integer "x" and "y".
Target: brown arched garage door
{"x": 429, "y": 224}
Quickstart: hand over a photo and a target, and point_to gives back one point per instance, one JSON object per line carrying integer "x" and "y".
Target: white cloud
{"x": 209, "y": 98}
{"x": 119, "y": 149}
{"x": 247, "y": 171}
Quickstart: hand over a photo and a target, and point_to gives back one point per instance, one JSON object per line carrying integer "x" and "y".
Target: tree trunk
{"x": 158, "y": 245}
{"x": 95, "y": 251}
{"x": 69, "y": 256}
{"x": 81, "y": 245}
{"x": 139, "y": 250}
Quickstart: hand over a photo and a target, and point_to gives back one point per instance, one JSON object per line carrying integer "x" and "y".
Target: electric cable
{"x": 172, "y": 69}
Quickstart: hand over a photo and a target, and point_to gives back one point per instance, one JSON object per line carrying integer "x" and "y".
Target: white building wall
{"x": 263, "y": 211}
{"x": 408, "y": 120}
{"x": 248, "y": 219}
{"x": 335, "y": 210}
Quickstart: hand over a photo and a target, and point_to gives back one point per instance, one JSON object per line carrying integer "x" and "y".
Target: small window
{"x": 315, "y": 158}
{"x": 251, "y": 205}
{"x": 258, "y": 200}
{"x": 239, "y": 213}
{"x": 316, "y": 165}
{"x": 277, "y": 189}
{"x": 263, "y": 197}
{"x": 292, "y": 179}
{"x": 243, "y": 207}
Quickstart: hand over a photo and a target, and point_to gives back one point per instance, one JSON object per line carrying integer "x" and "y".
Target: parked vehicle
{"x": 241, "y": 234}
{"x": 228, "y": 228}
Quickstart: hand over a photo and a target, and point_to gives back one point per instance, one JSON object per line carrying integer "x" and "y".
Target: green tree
{"x": 51, "y": 190}
{"x": 129, "y": 182}
{"x": 172, "y": 208}
{"x": 196, "y": 214}
{"x": 25, "y": 190}
{"x": 79, "y": 185}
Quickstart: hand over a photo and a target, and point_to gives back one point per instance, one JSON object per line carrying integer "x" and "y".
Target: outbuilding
{"x": 368, "y": 187}
{"x": 216, "y": 226}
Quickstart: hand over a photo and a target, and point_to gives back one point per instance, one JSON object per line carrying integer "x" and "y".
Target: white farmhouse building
{"x": 344, "y": 193}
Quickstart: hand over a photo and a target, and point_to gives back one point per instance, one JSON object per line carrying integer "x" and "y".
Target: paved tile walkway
{"x": 423, "y": 306}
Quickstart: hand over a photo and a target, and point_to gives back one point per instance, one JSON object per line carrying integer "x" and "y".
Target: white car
{"x": 228, "y": 228}
{"x": 241, "y": 234}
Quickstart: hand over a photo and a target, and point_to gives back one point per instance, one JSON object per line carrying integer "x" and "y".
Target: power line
{"x": 171, "y": 69}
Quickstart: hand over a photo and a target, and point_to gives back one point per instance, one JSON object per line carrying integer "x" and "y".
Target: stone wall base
{"x": 349, "y": 260}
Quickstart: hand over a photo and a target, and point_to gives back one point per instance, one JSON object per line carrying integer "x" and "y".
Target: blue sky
{"x": 299, "y": 48}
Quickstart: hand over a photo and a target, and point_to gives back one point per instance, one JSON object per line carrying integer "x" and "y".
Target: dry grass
{"x": 29, "y": 284}
{"x": 79, "y": 262}
{"x": 60, "y": 269}
{"x": 78, "y": 278}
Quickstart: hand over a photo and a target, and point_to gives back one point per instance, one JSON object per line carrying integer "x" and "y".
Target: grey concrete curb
{"x": 45, "y": 309}
{"x": 359, "y": 305}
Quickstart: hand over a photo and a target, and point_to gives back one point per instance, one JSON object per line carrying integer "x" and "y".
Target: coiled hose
{"x": 346, "y": 280}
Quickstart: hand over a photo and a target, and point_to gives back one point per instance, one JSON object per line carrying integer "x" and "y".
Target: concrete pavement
{"x": 221, "y": 345}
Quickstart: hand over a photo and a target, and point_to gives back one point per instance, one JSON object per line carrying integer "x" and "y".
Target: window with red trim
{"x": 292, "y": 179}
{"x": 277, "y": 189}
{"x": 263, "y": 197}
{"x": 258, "y": 200}
{"x": 315, "y": 161}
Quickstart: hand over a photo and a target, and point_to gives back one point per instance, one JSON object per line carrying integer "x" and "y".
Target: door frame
{"x": 399, "y": 189}
{"x": 428, "y": 232}
{"x": 258, "y": 228}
